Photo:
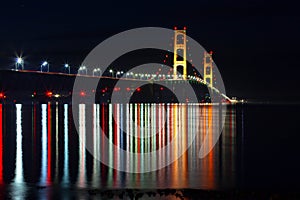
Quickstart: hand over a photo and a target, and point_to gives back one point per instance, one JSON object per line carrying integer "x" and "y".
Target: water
{"x": 40, "y": 148}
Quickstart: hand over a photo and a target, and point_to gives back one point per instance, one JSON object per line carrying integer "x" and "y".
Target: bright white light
{"x": 82, "y": 68}
{"x": 111, "y": 71}
{"x": 45, "y": 63}
{"x": 66, "y": 65}
{"x": 19, "y": 60}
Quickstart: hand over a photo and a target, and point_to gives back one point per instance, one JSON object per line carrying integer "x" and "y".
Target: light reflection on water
{"x": 44, "y": 145}
{"x": 82, "y": 160}
{"x": 66, "y": 146}
{"x": 61, "y": 159}
{"x": 1, "y": 145}
{"x": 19, "y": 152}
{"x": 18, "y": 191}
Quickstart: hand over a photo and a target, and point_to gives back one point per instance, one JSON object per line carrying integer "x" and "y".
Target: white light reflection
{"x": 122, "y": 146}
{"x": 117, "y": 134}
{"x": 82, "y": 131}
{"x": 128, "y": 134}
{"x": 135, "y": 129}
{"x": 153, "y": 136}
{"x": 110, "y": 133}
{"x": 142, "y": 129}
{"x": 44, "y": 145}
{"x": 127, "y": 127}
{"x": 56, "y": 143}
{"x": 130, "y": 118}
{"x": 18, "y": 190}
{"x": 19, "y": 152}
{"x": 96, "y": 139}
{"x": 148, "y": 130}
{"x": 110, "y": 138}
{"x": 66, "y": 146}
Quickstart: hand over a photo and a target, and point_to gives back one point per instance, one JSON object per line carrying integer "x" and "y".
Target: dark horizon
{"x": 254, "y": 42}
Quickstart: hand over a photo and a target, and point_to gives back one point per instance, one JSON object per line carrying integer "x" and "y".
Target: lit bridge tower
{"x": 179, "y": 52}
{"x": 208, "y": 68}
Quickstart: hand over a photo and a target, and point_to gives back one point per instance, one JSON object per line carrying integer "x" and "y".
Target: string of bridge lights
{"x": 83, "y": 70}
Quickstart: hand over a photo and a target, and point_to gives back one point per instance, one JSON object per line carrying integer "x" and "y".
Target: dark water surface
{"x": 40, "y": 148}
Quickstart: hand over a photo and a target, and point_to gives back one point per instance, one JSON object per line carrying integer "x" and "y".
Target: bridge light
{"x": 184, "y": 28}
{"x": 45, "y": 63}
{"x": 1, "y": 95}
{"x": 161, "y": 88}
{"x": 175, "y": 28}
{"x": 68, "y": 67}
{"x": 82, "y": 93}
{"x": 138, "y": 89}
{"x": 19, "y": 60}
{"x": 49, "y": 94}
{"x": 128, "y": 89}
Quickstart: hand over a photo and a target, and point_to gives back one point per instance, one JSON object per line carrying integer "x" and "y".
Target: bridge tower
{"x": 179, "y": 52}
{"x": 208, "y": 68}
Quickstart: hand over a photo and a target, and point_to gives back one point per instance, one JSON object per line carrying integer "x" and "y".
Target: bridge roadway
{"x": 198, "y": 79}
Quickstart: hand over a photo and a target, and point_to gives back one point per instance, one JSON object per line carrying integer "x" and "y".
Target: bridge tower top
{"x": 180, "y": 52}
{"x": 208, "y": 68}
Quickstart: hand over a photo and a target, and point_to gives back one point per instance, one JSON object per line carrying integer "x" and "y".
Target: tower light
{"x": 68, "y": 67}
{"x": 19, "y": 62}
{"x": 44, "y": 64}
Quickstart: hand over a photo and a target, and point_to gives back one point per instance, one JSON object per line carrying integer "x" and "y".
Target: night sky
{"x": 255, "y": 43}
